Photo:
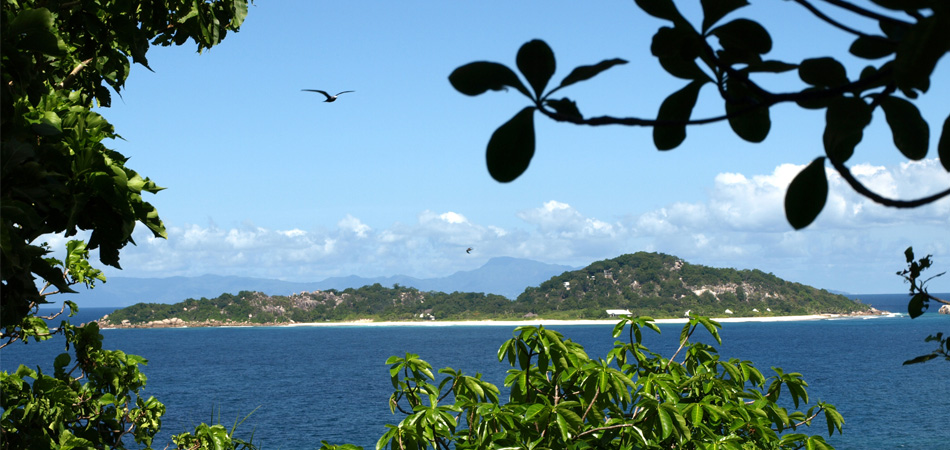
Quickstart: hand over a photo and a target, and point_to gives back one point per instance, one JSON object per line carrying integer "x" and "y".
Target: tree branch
{"x": 877, "y": 198}
{"x": 831, "y": 21}
{"x": 72, "y": 75}
{"x": 863, "y": 12}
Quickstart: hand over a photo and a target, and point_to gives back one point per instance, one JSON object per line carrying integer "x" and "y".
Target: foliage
{"x": 561, "y": 398}
{"x": 730, "y": 57}
{"x": 648, "y": 283}
{"x": 920, "y": 301}
{"x": 60, "y": 60}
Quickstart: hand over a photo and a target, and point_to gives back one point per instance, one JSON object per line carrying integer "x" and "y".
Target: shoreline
{"x": 490, "y": 322}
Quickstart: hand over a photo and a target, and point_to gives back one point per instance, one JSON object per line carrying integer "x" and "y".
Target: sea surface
{"x": 331, "y": 383}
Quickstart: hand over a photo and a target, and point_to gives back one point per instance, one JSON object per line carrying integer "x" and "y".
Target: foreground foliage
{"x": 920, "y": 301}
{"x": 560, "y": 398}
{"x": 62, "y": 59}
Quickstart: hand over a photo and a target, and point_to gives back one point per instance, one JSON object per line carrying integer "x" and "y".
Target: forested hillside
{"x": 651, "y": 284}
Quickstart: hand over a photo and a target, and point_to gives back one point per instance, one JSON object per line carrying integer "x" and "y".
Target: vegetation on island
{"x": 62, "y": 59}
{"x": 648, "y": 284}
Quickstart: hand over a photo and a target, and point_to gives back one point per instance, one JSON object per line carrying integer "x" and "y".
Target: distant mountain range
{"x": 504, "y": 276}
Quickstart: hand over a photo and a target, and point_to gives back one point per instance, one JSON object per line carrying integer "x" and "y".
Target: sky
{"x": 265, "y": 180}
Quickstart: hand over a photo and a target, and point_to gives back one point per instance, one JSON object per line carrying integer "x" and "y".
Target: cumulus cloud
{"x": 740, "y": 224}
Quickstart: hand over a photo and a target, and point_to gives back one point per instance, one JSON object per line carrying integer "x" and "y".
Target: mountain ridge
{"x": 505, "y": 276}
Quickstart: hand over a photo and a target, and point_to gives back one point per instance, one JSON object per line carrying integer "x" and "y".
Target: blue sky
{"x": 265, "y": 180}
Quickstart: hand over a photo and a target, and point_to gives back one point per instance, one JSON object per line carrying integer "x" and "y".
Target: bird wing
{"x": 344, "y": 92}
{"x": 317, "y": 90}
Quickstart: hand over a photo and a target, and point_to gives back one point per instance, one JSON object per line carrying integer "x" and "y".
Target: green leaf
{"x": 713, "y": 10}
{"x": 910, "y": 130}
{"x": 565, "y": 107}
{"x": 872, "y": 47}
{"x": 806, "y": 195}
{"x": 845, "y": 120}
{"x": 536, "y": 62}
{"x": 917, "y": 305}
{"x": 678, "y": 107}
{"x": 587, "y": 72}
{"x": 943, "y": 146}
{"x": 511, "y": 147}
{"x": 666, "y": 423}
{"x": 478, "y": 77}
{"x": 825, "y": 71}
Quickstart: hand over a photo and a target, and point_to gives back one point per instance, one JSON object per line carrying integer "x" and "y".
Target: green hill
{"x": 651, "y": 284}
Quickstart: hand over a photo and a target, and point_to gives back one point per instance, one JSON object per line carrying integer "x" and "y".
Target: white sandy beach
{"x": 547, "y": 322}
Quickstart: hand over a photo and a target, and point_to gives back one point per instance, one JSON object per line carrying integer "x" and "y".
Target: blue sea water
{"x": 331, "y": 383}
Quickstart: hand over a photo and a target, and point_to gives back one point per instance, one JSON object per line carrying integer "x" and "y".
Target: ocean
{"x": 331, "y": 383}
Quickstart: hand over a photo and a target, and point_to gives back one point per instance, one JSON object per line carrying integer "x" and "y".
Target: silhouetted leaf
{"x": 511, "y": 147}
{"x": 943, "y": 145}
{"x": 822, "y": 72}
{"x": 661, "y": 9}
{"x": 743, "y": 39}
{"x": 816, "y": 102}
{"x": 587, "y": 72}
{"x": 872, "y": 47}
{"x": 917, "y": 305}
{"x": 919, "y": 359}
{"x": 677, "y": 50}
{"x": 806, "y": 195}
{"x": 918, "y": 53}
{"x": 713, "y": 10}
{"x": 754, "y": 124}
{"x": 770, "y": 66}
{"x": 910, "y": 130}
{"x": 536, "y": 62}
{"x": 477, "y": 77}
{"x": 678, "y": 107}
{"x": 566, "y": 107}
{"x": 845, "y": 120}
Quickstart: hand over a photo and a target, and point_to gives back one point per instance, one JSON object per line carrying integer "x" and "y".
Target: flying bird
{"x": 330, "y": 98}
{"x": 468, "y": 250}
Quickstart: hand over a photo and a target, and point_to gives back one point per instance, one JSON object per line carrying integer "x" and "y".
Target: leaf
{"x": 752, "y": 125}
{"x": 511, "y": 147}
{"x": 666, "y": 423}
{"x": 910, "y": 130}
{"x": 565, "y": 107}
{"x": 917, "y": 305}
{"x": 678, "y": 107}
{"x": 536, "y": 62}
{"x": 919, "y": 359}
{"x": 845, "y": 120}
{"x": 806, "y": 195}
{"x": 825, "y": 71}
{"x": 743, "y": 40}
{"x": 872, "y": 47}
{"x": 661, "y": 9}
{"x": 917, "y": 54}
{"x": 478, "y": 77}
{"x": 677, "y": 50}
{"x": 771, "y": 66}
{"x": 713, "y": 10}
{"x": 943, "y": 146}
{"x": 587, "y": 72}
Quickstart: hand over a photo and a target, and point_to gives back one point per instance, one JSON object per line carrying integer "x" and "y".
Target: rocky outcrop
{"x": 945, "y": 309}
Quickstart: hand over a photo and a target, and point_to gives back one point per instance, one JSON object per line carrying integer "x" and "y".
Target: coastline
{"x": 178, "y": 323}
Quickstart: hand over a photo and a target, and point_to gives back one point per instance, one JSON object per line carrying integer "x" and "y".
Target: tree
{"x": 730, "y": 57}
{"x": 562, "y": 398}
{"x": 60, "y": 59}
{"x": 920, "y": 302}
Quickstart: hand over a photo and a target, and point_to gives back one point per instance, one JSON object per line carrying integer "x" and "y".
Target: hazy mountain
{"x": 503, "y": 276}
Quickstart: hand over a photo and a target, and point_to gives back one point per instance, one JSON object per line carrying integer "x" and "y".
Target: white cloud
{"x": 740, "y": 224}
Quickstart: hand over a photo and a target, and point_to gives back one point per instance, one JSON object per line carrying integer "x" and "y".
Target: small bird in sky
{"x": 330, "y": 98}
{"x": 468, "y": 250}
